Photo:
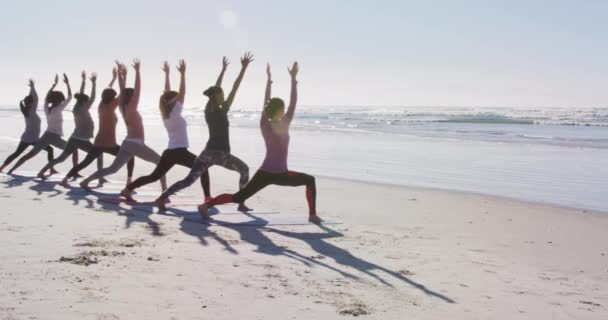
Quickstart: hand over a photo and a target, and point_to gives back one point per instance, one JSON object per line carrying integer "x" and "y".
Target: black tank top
{"x": 217, "y": 122}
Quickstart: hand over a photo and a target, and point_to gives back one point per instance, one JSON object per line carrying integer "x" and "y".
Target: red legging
{"x": 261, "y": 179}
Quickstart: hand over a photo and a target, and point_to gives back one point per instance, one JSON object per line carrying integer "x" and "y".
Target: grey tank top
{"x": 84, "y": 126}
{"x": 32, "y": 125}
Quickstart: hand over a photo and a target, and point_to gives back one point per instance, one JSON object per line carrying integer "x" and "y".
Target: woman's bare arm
{"x": 181, "y": 96}
{"x": 293, "y": 72}
{"x": 220, "y": 78}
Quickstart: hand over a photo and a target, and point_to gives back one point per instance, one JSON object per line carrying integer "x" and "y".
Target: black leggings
{"x": 168, "y": 159}
{"x": 94, "y": 154}
{"x": 21, "y": 147}
{"x": 262, "y": 179}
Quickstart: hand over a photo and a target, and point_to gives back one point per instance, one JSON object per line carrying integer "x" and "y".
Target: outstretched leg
{"x": 20, "y": 148}
{"x": 40, "y": 145}
{"x": 167, "y": 161}
{"x": 200, "y": 165}
{"x": 146, "y": 153}
{"x": 259, "y": 181}
{"x": 121, "y": 159}
{"x": 69, "y": 149}
{"x": 295, "y": 179}
{"x": 235, "y": 164}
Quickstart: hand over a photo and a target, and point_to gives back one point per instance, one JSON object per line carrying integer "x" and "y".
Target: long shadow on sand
{"x": 253, "y": 235}
{"x": 316, "y": 241}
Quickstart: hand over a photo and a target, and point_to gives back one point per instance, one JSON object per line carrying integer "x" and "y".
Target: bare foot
{"x": 243, "y": 208}
{"x": 53, "y": 171}
{"x": 64, "y": 183}
{"x": 314, "y": 219}
{"x": 126, "y": 193}
{"x": 203, "y": 210}
{"x": 41, "y": 176}
{"x": 160, "y": 203}
{"x": 85, "y": 186}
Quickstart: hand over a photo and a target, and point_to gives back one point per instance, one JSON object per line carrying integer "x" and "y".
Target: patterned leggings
{"x": 206, "y": 159}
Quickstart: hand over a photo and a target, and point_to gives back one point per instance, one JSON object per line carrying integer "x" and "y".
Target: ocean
{"x": 548, "y": 155}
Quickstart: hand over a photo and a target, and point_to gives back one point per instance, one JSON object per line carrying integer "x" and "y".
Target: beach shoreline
{"x": 422, "y": 253}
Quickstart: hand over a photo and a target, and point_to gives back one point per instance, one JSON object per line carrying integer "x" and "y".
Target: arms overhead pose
{"x": 171, "y": 104}
{"x": 217, "y": 151}
{"x": 105, "y": 140}
{"x": 133, "y": 145}
{"x": 84, "y": 127}
{"x": 31, "y": 134}
{"x": 274, "y": 124}
{"x": 54, "y": 104}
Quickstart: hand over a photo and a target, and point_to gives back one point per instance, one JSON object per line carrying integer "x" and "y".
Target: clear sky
{"x": 385, "y": 53}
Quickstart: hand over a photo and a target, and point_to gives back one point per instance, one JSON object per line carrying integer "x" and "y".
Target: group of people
{"x": 274, "y": 124}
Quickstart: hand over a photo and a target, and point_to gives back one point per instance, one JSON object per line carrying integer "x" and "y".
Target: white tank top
{"x": 54, "y": 118}
{"x": 176, "y": 127}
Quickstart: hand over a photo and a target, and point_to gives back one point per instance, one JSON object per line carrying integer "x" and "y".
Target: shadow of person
{"x": 317, "y": 242}
{"x": 78, "y": 195}
{"x": 15, "y": 180}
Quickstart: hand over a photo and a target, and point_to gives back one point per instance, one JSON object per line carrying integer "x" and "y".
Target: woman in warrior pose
{"x": 105, "y": 140}
{"x": 31, "y": 134}
{"x": 54, "y": 104}
{"x": 217, "y": 151}
{"x": 274, "y": 124}
{"x": 171, "y": 104}
{"x": 84, "y": 127}
{"x": 133, "y": 145}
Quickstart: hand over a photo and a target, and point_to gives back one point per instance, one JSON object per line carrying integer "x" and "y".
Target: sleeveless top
{"x": 176, "y": 127}
{"x": 84, "y": 125}
{"x": 54, "y": 116}
{"x": 32, "y": 125}
{"x": 106, "y": 136}
{"x": 276, "y": 138}
{"x": 219, "y": 135}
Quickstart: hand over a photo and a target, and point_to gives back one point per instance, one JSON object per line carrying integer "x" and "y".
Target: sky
{"x": 507, "y": 53}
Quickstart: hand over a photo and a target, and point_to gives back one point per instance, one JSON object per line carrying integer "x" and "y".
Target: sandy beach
{"x": 398, "y": 253}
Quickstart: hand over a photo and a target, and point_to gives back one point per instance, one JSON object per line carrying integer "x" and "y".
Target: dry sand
{"x": 400, "y": 253}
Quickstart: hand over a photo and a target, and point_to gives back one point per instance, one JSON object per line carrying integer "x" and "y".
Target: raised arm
{"x": 52, "y": 88}
{"x": 83, "y": 82}
{"x": 67, "y": 83}
{"x": 293, "y": 72}
{"x": 93, "y": 89}
{"x": 114, "y": 75}
{"x": 245, "y": 60}
{"x": 263, "y": 117}
{"x": 220, "y": 78}
{"x": 268, "y": 85}
{"x": 137, "y": 87}
{"x": 122, "y": 76}
{"x": 181, "y": 96}
{"x": 166, "y": 70}
{"x": 33, "y": 92}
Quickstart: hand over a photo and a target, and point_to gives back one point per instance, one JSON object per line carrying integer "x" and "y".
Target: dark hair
{"x": 213, "y": 91}
{"x": 274, "y": 106}
{"x": 165, "y": 108}
{"x": 81, "y": 98}
{"x": 26, "y": 105}
{"x": 55, "y": 97}
{"x": 126, "y": 97}
{"x": 108, "y": 95}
